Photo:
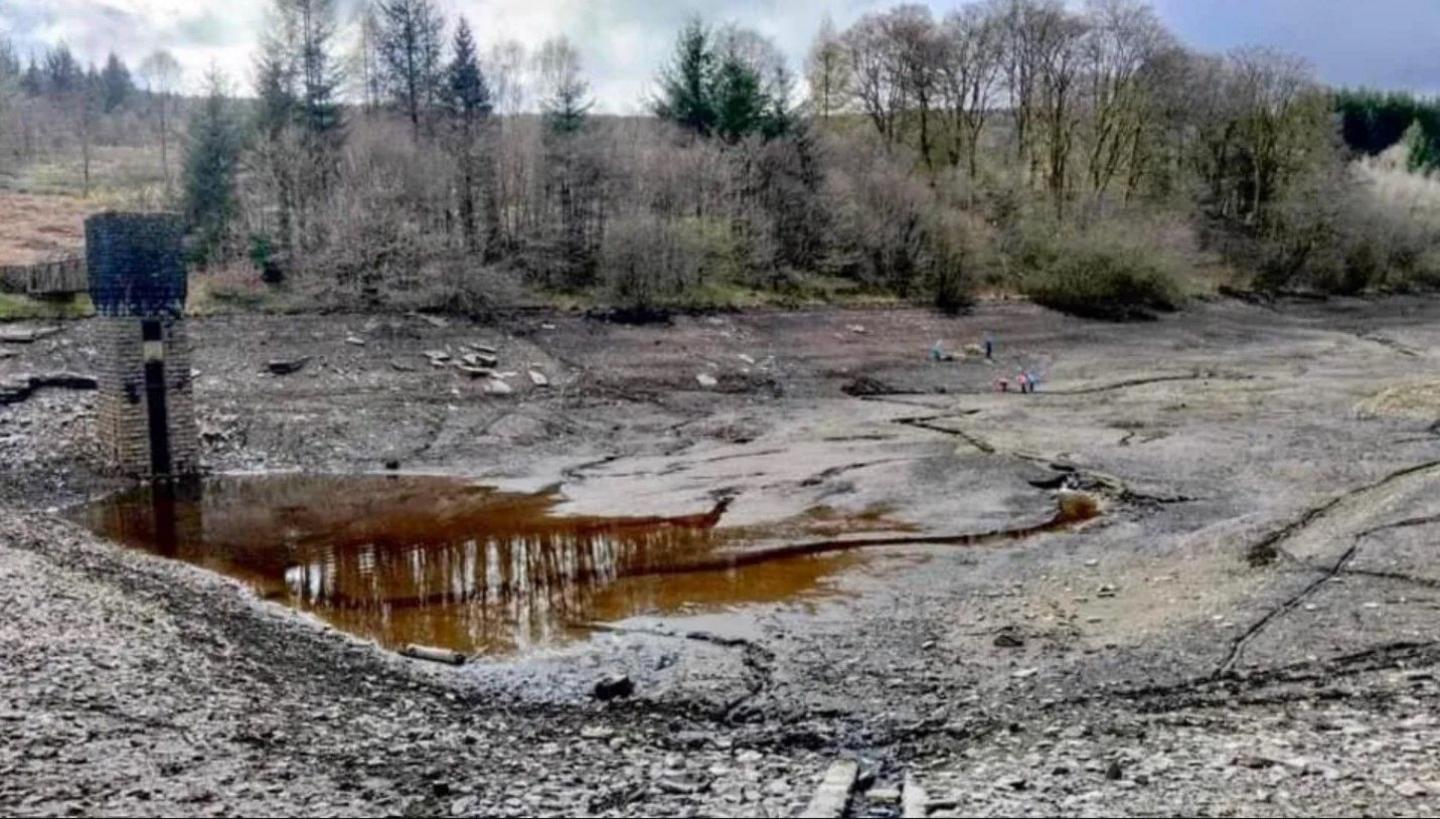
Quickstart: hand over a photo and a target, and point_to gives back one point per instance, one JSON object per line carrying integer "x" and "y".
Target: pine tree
{"x": 739, "y": 100}
{"x": 118, "y": 84}
{"x": 686, "y": 83}
{"x": 63, "y": 75}
{"x": 212, "y": 159}
{"x": 409, "y": 46}
{"x": 33, "y": 81}
{"x": 468, "y": 104}
{"x": 467, "y": 95}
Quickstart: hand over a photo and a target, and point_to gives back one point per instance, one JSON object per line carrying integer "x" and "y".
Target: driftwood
{"x": 434, "y": 655}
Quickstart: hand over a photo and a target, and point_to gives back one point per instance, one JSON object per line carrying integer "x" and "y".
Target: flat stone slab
{"x": 833, "y": 796}
{"x": 25, "y": 335}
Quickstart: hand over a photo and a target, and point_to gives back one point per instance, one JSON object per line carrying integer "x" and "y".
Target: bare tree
{"x": 877, "y": 74}
{"x": 1125, "y": 38}
{"x": 1278, "y": 102}
{"x": 971, "y": 66}
{"x": 409, "y": 47}
{"x": 1054, "y": 39}
{"x": 162, "y": 74}
{"x": 917, "y": 50}
{"x": 828, "y": 69}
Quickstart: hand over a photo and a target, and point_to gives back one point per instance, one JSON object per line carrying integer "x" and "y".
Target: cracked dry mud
{"x": 1248, "y": 628}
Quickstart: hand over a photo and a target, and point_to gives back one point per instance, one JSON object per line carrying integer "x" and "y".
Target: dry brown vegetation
{"x": 41, "y": 228}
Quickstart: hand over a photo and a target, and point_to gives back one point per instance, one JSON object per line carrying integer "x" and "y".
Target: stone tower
{"x": 137, "y": 282}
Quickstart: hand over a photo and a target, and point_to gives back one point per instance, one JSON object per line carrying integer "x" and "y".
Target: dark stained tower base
{"x": 137, "y": 281}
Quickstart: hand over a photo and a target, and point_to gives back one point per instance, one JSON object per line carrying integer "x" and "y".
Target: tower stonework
{"x": 146, "y": 406}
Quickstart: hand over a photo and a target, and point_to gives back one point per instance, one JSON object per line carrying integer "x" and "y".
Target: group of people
{"x": 1025, "y": 380}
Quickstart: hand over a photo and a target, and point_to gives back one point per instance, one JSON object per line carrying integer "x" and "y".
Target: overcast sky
{"x": 1387, "y": 43}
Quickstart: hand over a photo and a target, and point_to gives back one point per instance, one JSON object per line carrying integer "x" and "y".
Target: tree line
{"x": 1019, "y": 144}
{"x": 52, "y": 96}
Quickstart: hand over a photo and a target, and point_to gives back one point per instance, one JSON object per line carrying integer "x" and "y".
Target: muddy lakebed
{"x": 890, "y": 580}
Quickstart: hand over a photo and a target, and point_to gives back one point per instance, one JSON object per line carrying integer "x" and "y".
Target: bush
{"x": 951, "y": 249}
{"x": 1099, "y": 280}
{"x": 1332, "y": 235}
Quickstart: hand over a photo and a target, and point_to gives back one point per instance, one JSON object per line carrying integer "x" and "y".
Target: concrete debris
{"x": 832, "y": 797}
{"x": 287, "y": 366}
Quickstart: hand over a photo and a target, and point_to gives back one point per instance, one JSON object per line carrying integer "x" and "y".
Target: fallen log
{"x": 435, "y": 655}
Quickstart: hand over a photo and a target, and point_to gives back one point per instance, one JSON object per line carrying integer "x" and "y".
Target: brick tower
{"x": 137, "y": 282}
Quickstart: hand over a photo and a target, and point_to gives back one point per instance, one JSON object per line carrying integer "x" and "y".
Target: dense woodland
{"x": 1085, "y": 158}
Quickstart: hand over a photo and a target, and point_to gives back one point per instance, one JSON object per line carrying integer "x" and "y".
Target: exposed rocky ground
{"x": 1249, "y": 628}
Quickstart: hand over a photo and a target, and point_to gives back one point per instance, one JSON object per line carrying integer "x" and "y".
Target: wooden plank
{"x": 832, "y": 797}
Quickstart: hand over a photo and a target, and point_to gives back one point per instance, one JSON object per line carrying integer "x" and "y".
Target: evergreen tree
{"x": 33, "y": 81}
{"x": 467, "y": 104}
{"x": 118, "y": 86}
{"x": 319, "y": 75}
{"x": 10, "y": 69}
{"x": 715, "y": 84}
{"x": 466, "y": 94}
{"x": 63, "y": 76}
{"x": 409, "y": 45}
{"x": 686, "y": 83}
{"x": 212, "y": 159}
{"x": 739, "y": 100}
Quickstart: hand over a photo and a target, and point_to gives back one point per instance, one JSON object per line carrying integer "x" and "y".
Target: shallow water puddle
{"x": 443, "y": 562}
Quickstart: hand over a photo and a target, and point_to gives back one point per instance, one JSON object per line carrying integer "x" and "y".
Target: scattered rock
{"x": 287, "y": 366}
{"x": 433, "y": 321}
{"x": 355, "y": 340}
{"x": 538, "y": 379}
{"x": 596, "y": 732}
{"x": 616, "y": 686}
{"x": 497, "y": 387}
{"x": 707, "y": 381}
{"x": 1006, "y": 639}
{"x": 884, "y": 796}
{"x": 1410, "y": 789}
